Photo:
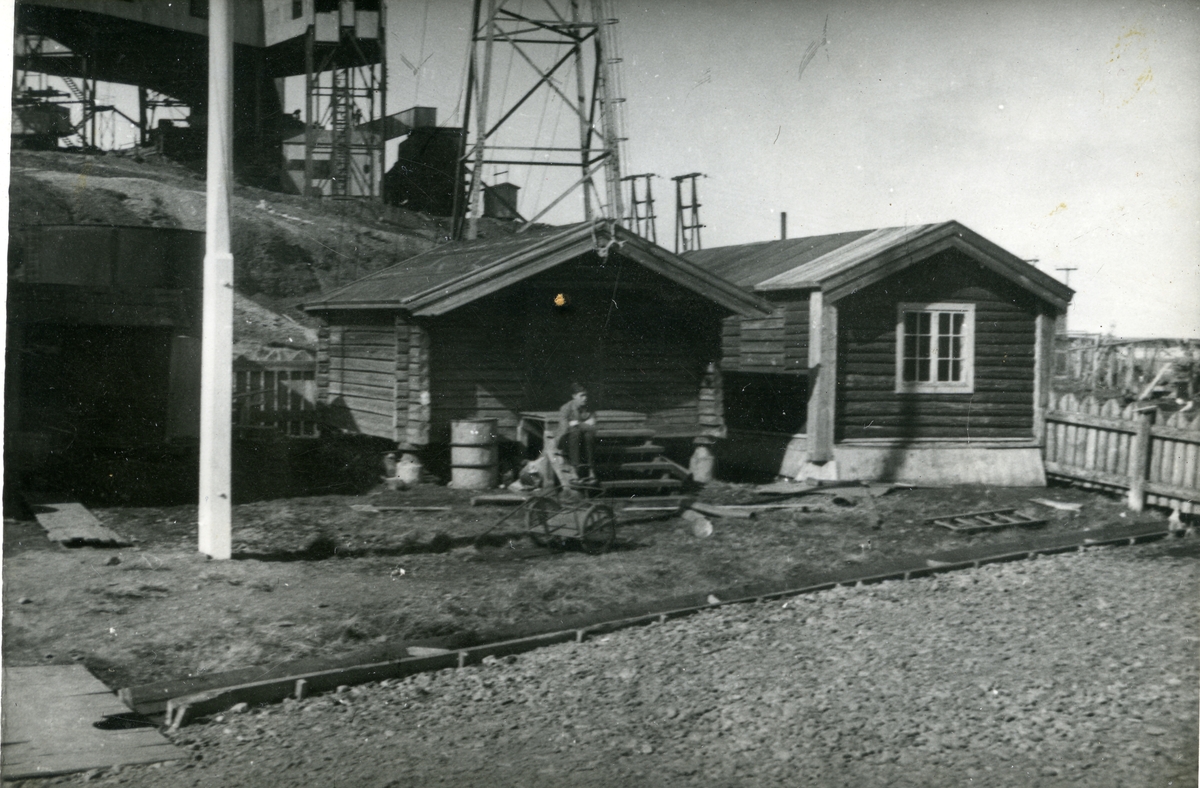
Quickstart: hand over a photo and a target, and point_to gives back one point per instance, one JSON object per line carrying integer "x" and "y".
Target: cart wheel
{"x": 599, "y": 529}
{"x": 537, "y": 520}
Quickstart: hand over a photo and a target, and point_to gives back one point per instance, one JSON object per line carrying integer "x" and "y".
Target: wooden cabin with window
{"x": 918, "y": 354}
{"x": 500, "y": 329}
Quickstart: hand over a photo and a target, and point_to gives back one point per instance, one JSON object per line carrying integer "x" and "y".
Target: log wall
{"x": 361, "y": 377}
{"x": 1001, "y": 405}
{"x": 633, "y": 338}
{"x": 774, "y": 344}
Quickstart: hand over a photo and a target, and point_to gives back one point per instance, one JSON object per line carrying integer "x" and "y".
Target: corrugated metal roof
{"x": 839, "y": 264}
{"x": 747, "y": 265}
{"x": 843, "y": 257}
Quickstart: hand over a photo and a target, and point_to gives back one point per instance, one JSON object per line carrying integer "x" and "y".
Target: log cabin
{"x": 919, "y": 354}
{"x": 500, "y": 328}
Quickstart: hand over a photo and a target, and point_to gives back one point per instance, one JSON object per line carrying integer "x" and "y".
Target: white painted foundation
{"x": 1014, "y": 463}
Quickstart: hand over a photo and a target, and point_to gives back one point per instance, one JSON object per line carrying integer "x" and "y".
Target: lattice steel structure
{"x": 687, "y": 214}
{"x": 568, "y": 35}
{"x": 642, "y": 218}
{"x": 345, "y": 81}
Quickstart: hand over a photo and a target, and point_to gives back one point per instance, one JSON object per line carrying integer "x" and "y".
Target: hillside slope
{"x": 286, "y": 249}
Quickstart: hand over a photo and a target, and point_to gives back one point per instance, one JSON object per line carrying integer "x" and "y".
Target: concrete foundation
{"x": 943, "y": 463}
{"x": 925, "y": 462}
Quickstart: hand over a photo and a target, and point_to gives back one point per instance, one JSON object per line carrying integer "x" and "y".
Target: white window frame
{"x": 966, "y": 385}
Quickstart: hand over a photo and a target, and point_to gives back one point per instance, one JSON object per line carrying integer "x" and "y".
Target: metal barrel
{"x": 473, "y": 455}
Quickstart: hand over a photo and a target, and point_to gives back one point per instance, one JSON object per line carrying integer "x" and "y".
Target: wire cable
{"x": 420, "y": 57}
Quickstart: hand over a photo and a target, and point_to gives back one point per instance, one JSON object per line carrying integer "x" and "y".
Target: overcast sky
{"x": 1064, "y": 131}
{"x": 1067, "y": 131}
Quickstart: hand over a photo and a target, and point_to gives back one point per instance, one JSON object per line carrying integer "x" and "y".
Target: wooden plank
{"x": 420, "y": 415}
{"x": 375, "y": 407}
{"x": 1175, "y": 433}
{"x": 822, "y": 360}
{"x": 1083, "y": 474}
{"x": 387, "y": 352}
{"x": 718, "y": 510}
{"x": 49, "y": 716}
{"x": 1118, "y": 452}
{"x": 1187, "y": 474}
{"x": 1082, "y": 436}
{"x": 72, "y": 524}
{"x": 640, "y": 484}
{"x": 499, "y": 499}
{"x": 339, "y": 365}
{"x": 383, "y": 337}
{"x": 1119, "y": 425}
{"x": 1089, "y": 459}
{"x": 1161, "y": 488}
{"x": 1166, "y": 469}
{"x": 366, "y": 389}
{"x": 1043, "y": 364}
{"x": 373, "y": 424}
{"x": 904, "y": 405}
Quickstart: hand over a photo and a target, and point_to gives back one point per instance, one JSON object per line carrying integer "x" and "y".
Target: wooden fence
{"x": 279, "y": 399}
{"x": 1152, "y": 454}
{"x": 1093, "y": 362}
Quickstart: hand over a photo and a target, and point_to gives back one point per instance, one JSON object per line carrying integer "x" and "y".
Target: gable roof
{"x": 453, "y": 274}
{"x": 841, "y": 264}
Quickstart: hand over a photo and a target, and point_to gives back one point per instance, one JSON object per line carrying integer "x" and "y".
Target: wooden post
{"x": 1139, "y": 462}
{"x": 822, "y": 371}
{"x": 1043, "y": 372}
{"x": 400, "y": 381}
{"x": 420, "y": 405}
{"x": 216, "y": 366}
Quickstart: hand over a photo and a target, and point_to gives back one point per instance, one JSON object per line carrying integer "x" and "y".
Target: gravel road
{"x": 1073, "y": 669}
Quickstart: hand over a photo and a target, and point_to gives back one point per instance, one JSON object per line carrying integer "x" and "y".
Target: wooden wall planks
{"x": 1001, "y": 405}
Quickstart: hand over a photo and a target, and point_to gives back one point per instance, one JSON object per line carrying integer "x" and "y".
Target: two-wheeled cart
{"x": 561, "y": 515}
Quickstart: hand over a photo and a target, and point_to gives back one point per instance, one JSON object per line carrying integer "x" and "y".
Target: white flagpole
{"x": 216, "y": 370}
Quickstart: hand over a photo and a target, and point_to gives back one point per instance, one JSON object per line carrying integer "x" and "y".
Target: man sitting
{"x": 578, "y": 424}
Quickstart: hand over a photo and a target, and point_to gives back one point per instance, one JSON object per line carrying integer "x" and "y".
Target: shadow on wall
{"x": 897, "y": 451}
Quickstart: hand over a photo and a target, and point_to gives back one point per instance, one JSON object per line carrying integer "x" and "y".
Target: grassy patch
{"x": 312, "y": 577}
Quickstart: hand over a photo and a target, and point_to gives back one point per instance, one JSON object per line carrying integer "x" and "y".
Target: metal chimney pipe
{"x": 783, "y": 225}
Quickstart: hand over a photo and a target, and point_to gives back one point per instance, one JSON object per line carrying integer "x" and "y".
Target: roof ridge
{"x": 450, "y": 247}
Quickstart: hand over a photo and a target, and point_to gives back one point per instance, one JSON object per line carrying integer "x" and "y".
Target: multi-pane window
{"x": 935, "y": 347}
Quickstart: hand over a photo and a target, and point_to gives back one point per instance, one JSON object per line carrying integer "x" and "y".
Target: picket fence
{"x": 275, "y": 399}
{"x": 1153, "y": 454}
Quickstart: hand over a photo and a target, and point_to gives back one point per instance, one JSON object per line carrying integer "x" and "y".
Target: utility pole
{"x": 687, "y": 216}
{"x": 1067, "y": 274}
{"x": 216, "y": 364}
{"x": 641, "y": 211}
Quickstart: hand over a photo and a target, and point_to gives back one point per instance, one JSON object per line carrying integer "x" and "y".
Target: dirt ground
{"x": 314, "y": 577}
